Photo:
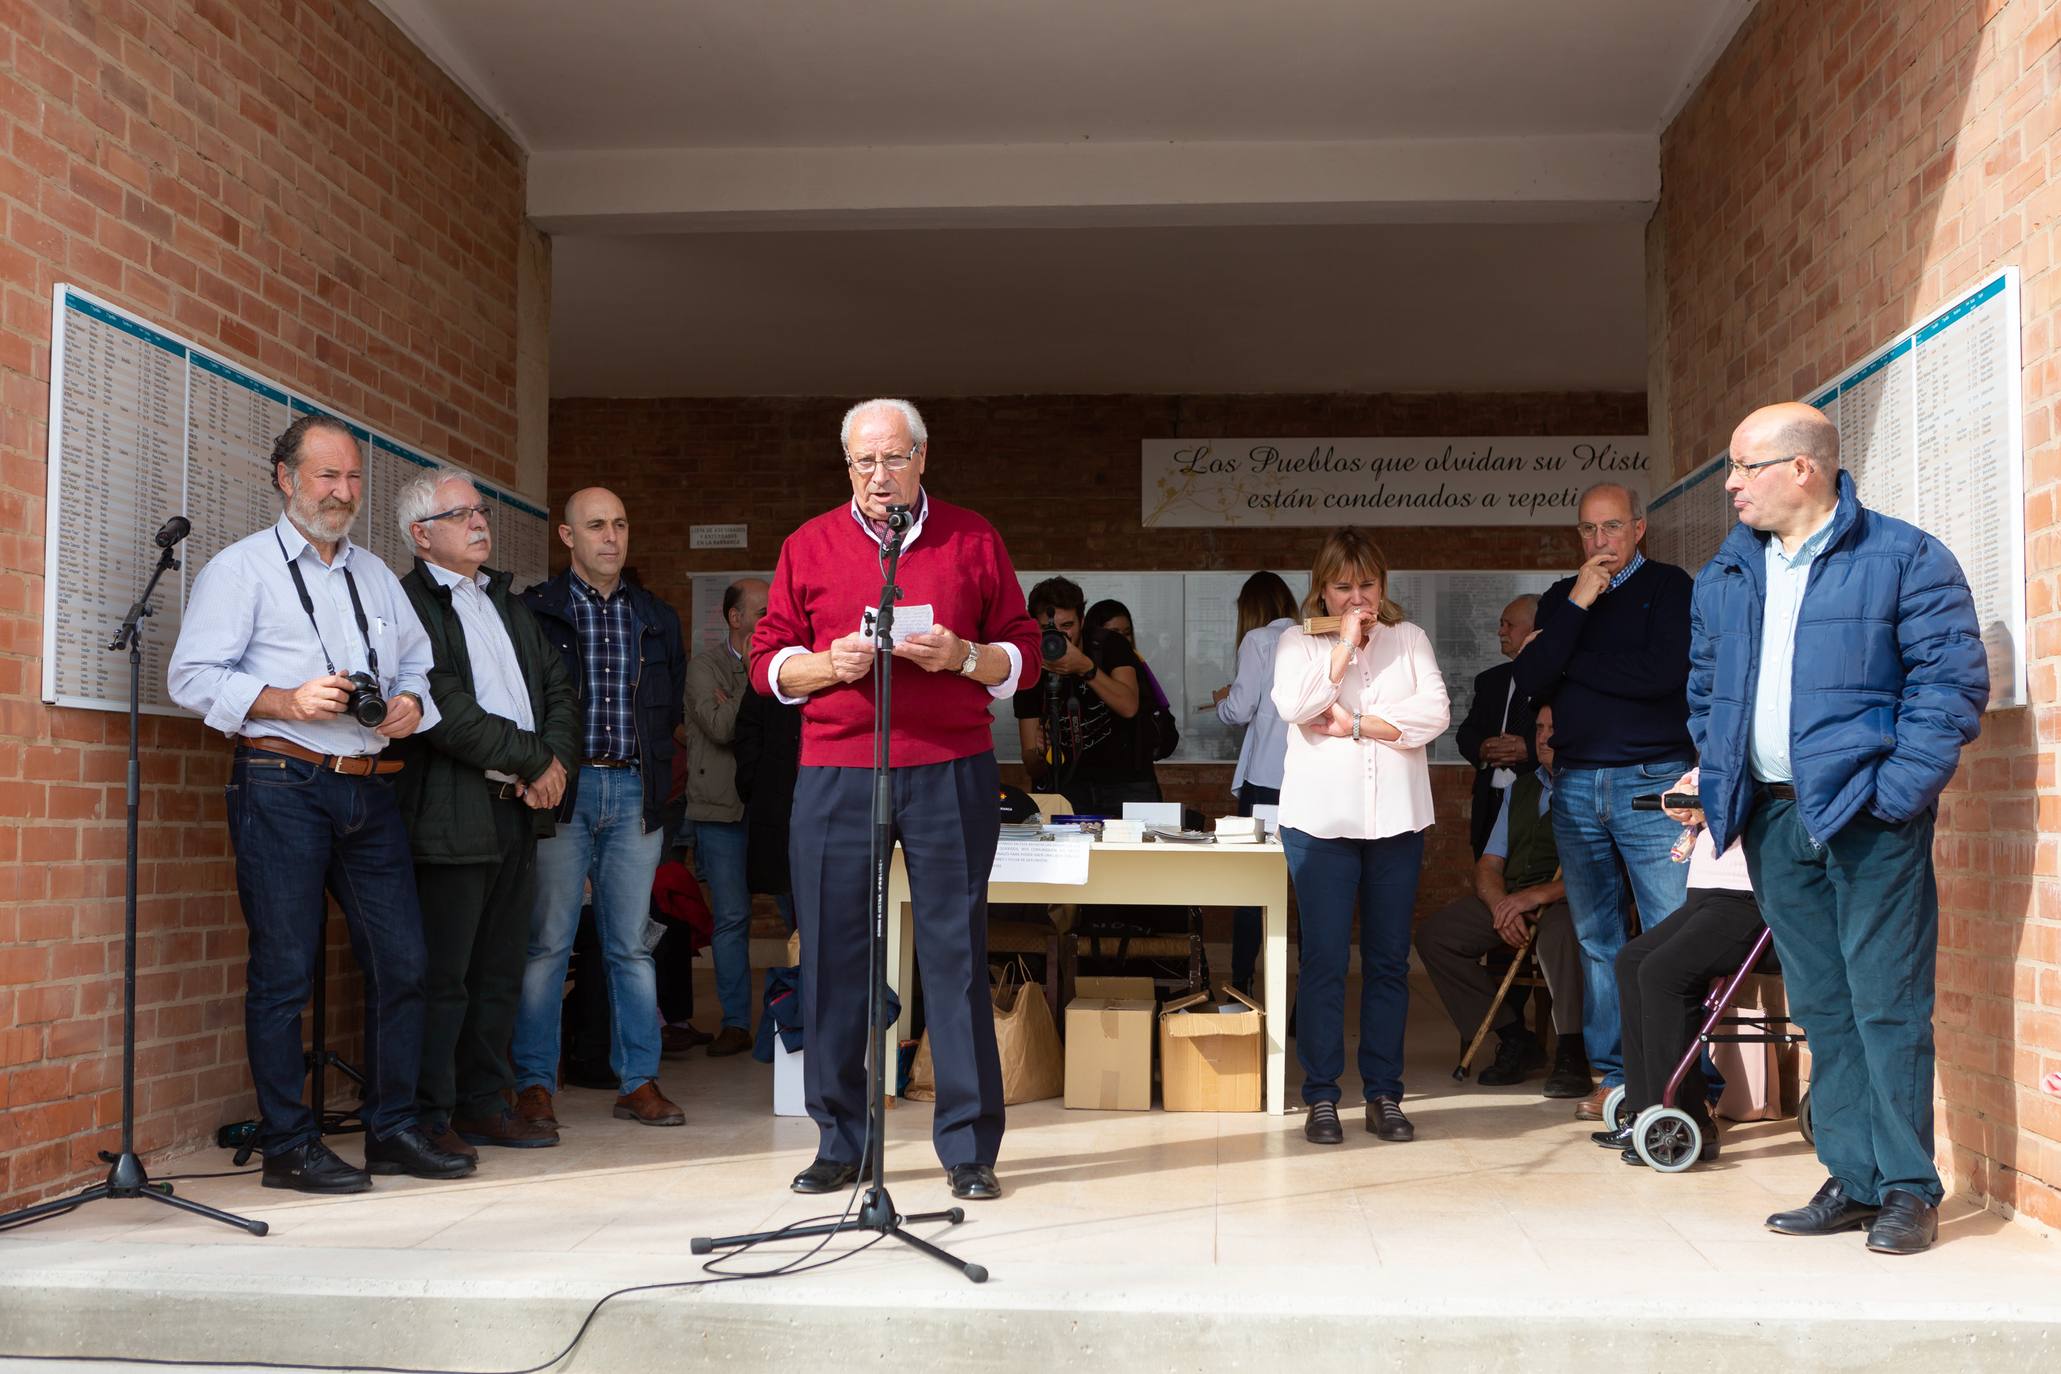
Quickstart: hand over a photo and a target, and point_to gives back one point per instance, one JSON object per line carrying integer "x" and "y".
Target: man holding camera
{"x": 1091, "y": 697}
{"x": 302, "y": 647}
{"x": 814, "y": 649}
{"x": 478, "y": 790}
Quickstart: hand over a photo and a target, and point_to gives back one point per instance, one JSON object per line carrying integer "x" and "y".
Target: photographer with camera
{"x": 303, "y": 648}
{"x": 1081, "y": 731}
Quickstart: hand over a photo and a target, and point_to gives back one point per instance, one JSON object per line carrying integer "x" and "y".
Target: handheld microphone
{"x": 175, "y": 529}
{"x": 899, "y": 518}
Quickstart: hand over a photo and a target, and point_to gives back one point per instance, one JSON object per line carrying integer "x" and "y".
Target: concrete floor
{"x": 1500, "y": 1238}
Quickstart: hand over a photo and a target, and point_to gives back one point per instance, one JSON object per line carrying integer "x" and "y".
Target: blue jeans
{"x": 1334, "y": 881}
{"x": 719, "y": 855}
{"x": 1594, "y": 827}
{"x": 606, "y": 841}
{"x": 1856, "y": 921}
{"x": 297, "y": 830}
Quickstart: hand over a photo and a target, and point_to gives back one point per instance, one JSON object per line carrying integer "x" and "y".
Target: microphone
{"x": 899, "y": 518}
{"x": 175, "y": 529}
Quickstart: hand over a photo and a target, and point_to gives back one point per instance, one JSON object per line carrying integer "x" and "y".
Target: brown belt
{"x": 1780, "y": 791}
{"x": 350, "y": 765}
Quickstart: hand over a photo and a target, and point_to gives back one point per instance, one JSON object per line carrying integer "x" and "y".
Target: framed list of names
{"x": 145, "y": 425}
{"x": 1931, "y": 429}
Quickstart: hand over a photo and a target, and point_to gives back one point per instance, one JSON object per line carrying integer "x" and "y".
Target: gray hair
{"x": 918, "y": 433}
{"x": 417, "y": 499}
{"x": 1637, "y": 502}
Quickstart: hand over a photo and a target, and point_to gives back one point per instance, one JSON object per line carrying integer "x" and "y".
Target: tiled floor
{"x": 1501, "y": 1205}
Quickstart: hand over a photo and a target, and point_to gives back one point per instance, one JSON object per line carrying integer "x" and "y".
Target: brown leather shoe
{"x": 648, "y": 1107}
{"x": 674, "y": 1041}
{"x": 444, "y": 1138}
{"x": 505, "y": 1128}
{"x": 533, "y": 1104}
{"x": 729, "y": 1040}
{"x": 1590, "y": 1108}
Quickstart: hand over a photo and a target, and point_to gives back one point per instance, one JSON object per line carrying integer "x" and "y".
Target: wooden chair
{"x": 1524, "y": 971}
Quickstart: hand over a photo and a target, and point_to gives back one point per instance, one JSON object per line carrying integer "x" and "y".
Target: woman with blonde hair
{"x": 1362, "y": 703}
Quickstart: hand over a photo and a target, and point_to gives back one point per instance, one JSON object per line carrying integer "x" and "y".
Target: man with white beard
{"x": 302, "y": 648}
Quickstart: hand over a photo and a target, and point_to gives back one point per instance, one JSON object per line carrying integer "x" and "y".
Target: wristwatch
{"x": 972, "y": 662}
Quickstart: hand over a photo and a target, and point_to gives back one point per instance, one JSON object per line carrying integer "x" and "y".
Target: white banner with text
{"x": 1213, "y": 483}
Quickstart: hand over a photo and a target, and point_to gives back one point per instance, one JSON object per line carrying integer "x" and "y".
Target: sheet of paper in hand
{"x": 909, "y": 620}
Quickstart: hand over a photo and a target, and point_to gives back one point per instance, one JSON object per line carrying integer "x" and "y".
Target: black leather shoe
{"x": 1570, "y": 1077}
{"x": 409, "y": 1152}
{"x": 1518, "y": 1056}
{"x": 1906, "y": 1225}
{"x": 825, "y": 1176}
{"x": 974, "y": 1182}
{"x": 1619, "y": 1139}
{"x": 313, "y": 1168}
{"x": 1829, "y": 1212}
{"x": 1321, "y": 1127}
{"x": 1385, "y": 1119}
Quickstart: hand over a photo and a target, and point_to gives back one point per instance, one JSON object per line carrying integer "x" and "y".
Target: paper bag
{"x": 1033, "y": 1063}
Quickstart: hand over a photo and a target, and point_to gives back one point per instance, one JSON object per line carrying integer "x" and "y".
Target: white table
{"x": 1148, "y": 874}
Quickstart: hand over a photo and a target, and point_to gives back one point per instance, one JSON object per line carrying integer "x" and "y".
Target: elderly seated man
{"x": 1516, "y": 887}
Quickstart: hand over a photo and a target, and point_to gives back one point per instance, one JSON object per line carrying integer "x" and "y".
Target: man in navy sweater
{"x": 1611, "y": 654}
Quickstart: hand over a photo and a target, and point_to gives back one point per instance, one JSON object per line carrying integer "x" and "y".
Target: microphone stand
{"x": 877, "y": 1212}
{"x": 126, "y": 1176}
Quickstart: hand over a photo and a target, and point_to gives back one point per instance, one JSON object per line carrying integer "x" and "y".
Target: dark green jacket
{"x": 442, "y": 791}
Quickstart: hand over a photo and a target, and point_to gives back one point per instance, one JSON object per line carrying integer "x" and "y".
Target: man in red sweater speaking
{"x": 962, "y": 641}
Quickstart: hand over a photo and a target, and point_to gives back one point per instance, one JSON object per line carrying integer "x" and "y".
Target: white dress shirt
{"x": 244, "y": 630}
{"x": 1368, "y": 789}
{"x": 1250, "y": 703}
{"x": 497, "y": 682}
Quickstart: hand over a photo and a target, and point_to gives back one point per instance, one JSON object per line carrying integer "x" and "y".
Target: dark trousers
{"x": 1663, "y": 976}
{"x": 673, "y": 961}
{"x": 298, "y": 831}
{"x": 1248, "y": 922}
{"x": 476, "y": 930}
{"x": 1455, "y": 939}
{"x": 944, "y": 815}
{"x": 1336, "y": 880}
{"x": 1856, "y": 922}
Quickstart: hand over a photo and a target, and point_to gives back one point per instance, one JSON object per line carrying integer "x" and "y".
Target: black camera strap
{"x": 308, "y": 604}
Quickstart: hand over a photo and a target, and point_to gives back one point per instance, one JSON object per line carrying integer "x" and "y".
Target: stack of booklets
{"x": 1240, "y": 830}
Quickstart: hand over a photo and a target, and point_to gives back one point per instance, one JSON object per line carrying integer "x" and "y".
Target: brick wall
{"x": 295, "y": 186}
{"x": 1059, "y": 477}
{"x": 1847, "y": 167}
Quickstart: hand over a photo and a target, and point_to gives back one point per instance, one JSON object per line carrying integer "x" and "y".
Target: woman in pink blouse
{"x": 1362, "y": 704}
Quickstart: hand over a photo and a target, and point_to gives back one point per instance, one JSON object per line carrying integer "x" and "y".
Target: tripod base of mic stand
{"x": 877, "y": 1214}
{"x": 126, "y": 1178}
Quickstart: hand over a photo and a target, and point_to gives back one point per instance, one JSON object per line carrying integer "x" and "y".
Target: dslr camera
{"x": 1053, "y": 644}
{"x": 365, "y": 704}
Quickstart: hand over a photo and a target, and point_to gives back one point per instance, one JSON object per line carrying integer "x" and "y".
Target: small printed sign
{"x": 715, "y": 537}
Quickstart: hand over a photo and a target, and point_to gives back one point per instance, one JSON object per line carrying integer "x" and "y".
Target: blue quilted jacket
{"x": 1890, "y": 679}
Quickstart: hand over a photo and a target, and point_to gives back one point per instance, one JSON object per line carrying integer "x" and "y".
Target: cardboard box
{"x": 788, "y": 1098}
{"x": 1209, "y": 1059}
{"x": 1109, "y": 1053}
{"x": 1114, "y": 985}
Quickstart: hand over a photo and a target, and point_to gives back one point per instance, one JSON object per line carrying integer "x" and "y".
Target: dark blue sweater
{"x": 1615, "y": 673}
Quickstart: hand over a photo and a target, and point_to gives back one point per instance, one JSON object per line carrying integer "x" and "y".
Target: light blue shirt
{"x": 1767, "y": 740}
{"x": 244, "y": 630}
{"x": 497, "y": 683}
{"x": 1499, "y": 835}
{"x": 1638, "y": 562}
{"x": 1263, "y": 753}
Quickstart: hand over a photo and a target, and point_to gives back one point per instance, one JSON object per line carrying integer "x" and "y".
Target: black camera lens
{"x": 365, "y": 705}
{"x": 1053, "y": 644}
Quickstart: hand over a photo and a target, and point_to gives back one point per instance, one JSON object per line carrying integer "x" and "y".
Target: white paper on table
{"x": 1060, "y": 859}
{"x": 909, "y": 620}
{"x": 1154, "y": 813}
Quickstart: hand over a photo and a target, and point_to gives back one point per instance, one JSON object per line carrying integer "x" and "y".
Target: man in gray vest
{"x": 1516, "y": 887}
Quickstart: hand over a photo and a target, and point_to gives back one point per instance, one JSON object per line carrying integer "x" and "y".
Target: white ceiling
{"x": 1103, "y": 195}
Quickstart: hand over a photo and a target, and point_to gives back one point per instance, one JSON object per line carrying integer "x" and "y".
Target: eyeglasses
{"x": 462, "y": 514}
{"x": 866, "y": 464}
{"x": 1740, "y": 469}
{"x": 1589, "y": 530}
